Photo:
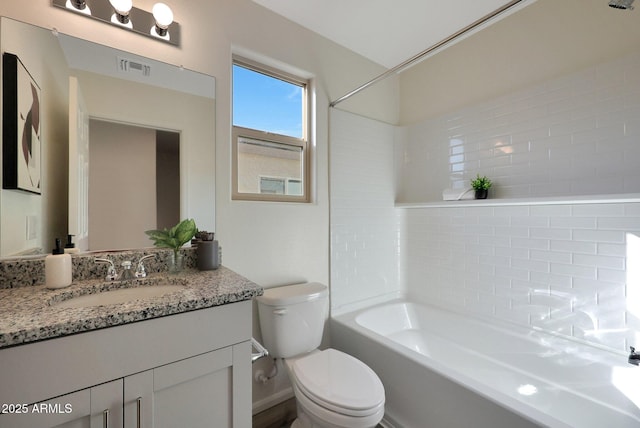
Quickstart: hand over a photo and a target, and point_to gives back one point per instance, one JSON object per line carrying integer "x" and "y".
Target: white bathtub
{"x": 441, "y": 369}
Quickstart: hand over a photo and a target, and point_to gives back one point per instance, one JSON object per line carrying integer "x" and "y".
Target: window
{"x": 270, "y": 143}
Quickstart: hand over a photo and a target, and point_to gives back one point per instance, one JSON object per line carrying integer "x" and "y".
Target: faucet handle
{"x": 112, "y": 275}
{"x": 141, "y": 272}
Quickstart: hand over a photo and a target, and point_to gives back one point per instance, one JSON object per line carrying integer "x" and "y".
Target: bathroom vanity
{"x": 181, "y": 359}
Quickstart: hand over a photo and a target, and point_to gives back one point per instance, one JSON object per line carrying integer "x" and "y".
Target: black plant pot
{"x": 482, "y": 193}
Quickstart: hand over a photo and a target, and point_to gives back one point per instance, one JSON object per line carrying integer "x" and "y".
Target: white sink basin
{"x": 120, "y": 295}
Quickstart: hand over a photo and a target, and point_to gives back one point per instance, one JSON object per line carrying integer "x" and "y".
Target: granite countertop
{"x": 29, "y": 314}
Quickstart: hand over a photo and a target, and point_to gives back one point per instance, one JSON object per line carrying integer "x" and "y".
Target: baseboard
{"x": 272, "y": 400}
{"x": 385, "y": 423}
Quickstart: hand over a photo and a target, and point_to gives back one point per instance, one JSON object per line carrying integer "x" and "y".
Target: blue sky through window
{"x": 265, "y": 103}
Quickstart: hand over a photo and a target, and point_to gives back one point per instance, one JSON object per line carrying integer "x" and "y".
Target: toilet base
{"x": 308, "y": 419}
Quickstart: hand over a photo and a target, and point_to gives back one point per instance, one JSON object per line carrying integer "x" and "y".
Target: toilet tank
{"x": 292, "y": 318}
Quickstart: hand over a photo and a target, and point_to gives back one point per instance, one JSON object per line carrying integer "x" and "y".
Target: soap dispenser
{"x": 57, "y": 268}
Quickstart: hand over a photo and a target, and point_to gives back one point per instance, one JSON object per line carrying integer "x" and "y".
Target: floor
{"x": 280, "y": 416}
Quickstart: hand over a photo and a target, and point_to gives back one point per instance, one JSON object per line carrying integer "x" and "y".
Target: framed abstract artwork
{"x": 21, "y": 131}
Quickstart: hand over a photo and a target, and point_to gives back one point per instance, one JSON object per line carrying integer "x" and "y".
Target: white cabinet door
{"x": 82, "y": 409}
{"x": 138, "y": 400}
{"x": 106, "y": 405}
{"x": 195, "y": 393}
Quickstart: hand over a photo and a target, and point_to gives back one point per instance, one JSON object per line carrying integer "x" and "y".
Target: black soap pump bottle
{"x": 57, "y": 268}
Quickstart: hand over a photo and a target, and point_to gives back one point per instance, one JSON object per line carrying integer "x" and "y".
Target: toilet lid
{"x": 339, "y": 381}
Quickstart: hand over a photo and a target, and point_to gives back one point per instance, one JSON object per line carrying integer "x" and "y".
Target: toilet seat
{"x": 339, "y": 383}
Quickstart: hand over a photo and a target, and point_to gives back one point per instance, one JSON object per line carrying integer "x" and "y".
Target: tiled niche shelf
{"x": 559, "y": 200}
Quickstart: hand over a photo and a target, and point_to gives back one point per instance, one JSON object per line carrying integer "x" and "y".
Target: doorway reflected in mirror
{"x": 134, "y": 183}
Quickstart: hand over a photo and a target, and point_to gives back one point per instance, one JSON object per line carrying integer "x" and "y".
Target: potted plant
{"x": 481, "y": 185}
{"x": 174, "y": 238}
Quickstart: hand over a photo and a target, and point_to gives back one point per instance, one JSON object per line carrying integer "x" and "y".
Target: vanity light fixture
{"x": 157, "y": 24}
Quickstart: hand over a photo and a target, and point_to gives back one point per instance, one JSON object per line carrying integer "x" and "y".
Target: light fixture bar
{"x": 140, "y": 21}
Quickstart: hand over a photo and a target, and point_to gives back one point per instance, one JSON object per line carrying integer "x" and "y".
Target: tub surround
{"x": 28, "y": 314}
{"x": 552, "y": 264}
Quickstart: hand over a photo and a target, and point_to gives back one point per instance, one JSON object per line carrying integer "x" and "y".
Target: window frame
{"x": 239, "y": 132}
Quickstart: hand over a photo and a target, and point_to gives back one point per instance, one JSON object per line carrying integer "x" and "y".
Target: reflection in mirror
{"x": 134, "y": 176}
{"x": 113, "y": 87}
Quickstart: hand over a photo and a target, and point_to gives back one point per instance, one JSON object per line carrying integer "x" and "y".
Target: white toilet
{"x": 332, "y": 389}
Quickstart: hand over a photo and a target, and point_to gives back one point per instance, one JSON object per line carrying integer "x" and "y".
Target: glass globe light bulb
{"x": 123, "y": 7}
{"x": 163, "y": 15}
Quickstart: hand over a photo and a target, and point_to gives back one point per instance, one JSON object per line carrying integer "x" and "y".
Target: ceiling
{"x": 387, "y": 32}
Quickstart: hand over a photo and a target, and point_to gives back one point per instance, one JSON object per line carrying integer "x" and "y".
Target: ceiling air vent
{"x": 129, "y": 66}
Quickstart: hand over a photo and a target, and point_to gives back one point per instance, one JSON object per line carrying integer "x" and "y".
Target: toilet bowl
{"x": 332, "y": 389}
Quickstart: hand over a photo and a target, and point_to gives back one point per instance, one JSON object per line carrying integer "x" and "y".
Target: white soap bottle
{"x": 57, "y": 268}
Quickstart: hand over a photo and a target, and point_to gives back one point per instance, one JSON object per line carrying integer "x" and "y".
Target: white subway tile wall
{"x": 561, "y": 268}
{"x": 364, "y": 238}
{"x": 575, "y": 135}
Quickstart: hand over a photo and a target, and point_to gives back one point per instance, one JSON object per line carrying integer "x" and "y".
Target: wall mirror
{"x": 148, "y": 128}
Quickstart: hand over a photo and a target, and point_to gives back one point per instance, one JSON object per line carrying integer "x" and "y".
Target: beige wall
{"x": 547, "y": 39}
{"x": 122, "y": 185}
{"x": 253, "y": 166}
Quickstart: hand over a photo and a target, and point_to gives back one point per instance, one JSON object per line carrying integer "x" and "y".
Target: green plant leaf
{"x": 481, "y": 183}
{"x": 184, "y": 231}
{"x": 175, "y": 237}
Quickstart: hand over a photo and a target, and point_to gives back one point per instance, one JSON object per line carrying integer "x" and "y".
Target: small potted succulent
{"x": 481, "y": 185}
{"x": 174, "y": 238}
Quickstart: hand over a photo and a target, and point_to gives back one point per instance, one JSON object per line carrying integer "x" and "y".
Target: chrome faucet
{"x": 127, "y": 272}
{"x": 141, "y": 272}
{"x": 634, "y": 357}
{"x": 112, "y": 275}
